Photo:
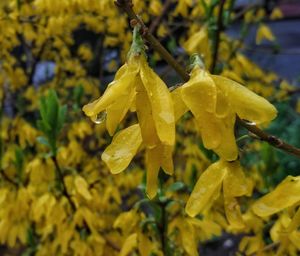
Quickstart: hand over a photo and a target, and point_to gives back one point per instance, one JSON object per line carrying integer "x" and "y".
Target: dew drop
{"x": 99, "y": 118}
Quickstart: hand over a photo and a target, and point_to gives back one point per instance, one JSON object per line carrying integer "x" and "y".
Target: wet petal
{"x": 167, "y": 159}
{"x": 245, "y": 103}
{"x": 117, "y": 111}
{"x": 153, "y": 166}
{"x": 210, "y": 131}
{"x": 286, "y": 194}
{"x": 222, "y": 105}
{"x": 233, "y": 211}
{"x": 123, "y": 148}
{"x": 200, "y": 93}
{"x": 227, "y": 149}
{"x": 235, "y": 182}
{"x": 179, "y": 106}
{"x": 115, "y": 90}
{"x": 161, "y": 104}
{"x": 206, "y": 188}
{"x": 145, "y": 116}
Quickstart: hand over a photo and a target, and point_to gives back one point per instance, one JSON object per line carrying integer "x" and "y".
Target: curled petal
{"x": 123, "y": 148}
{"x": 235, "y": 183}
{"x": 209, "y": 127}
{"x": 153, "y": 166}
{"x": 206, "y": 189}
{"x": 117, "y": 111}
{"x": 200, "y": 93}
{"x": 233, "y": 211}
{"x": 245, "y": 103}
{"x": 227, "y": 149}
{"x": 161, "y": 104}
{"x": 286, "y": 194}
{"x": 179, "y": 106}
{"x": 117, "y": 89}
{"x": 145, "y": 116}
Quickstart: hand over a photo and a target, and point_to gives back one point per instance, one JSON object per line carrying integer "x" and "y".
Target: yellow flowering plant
{"x": 161, "y": 165}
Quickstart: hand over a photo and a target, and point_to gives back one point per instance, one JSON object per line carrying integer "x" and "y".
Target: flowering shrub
{"x": 158, "y": 168}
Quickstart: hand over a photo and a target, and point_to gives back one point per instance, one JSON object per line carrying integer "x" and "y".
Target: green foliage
{"x": 52, "y": 120}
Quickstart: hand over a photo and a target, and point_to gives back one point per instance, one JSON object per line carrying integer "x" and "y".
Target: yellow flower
{"x": 264, "y": 32}
{"x": 227, "y": 176}
{"x": 124, "y": 147}
{"x": 199, "y": 42}
{"x": 215, "y": 101}
{"x": 136, "y": 84}
{"x": 286, "y": 194}
{"x": 276, "y": 14}
{"x": 138, "y": 88}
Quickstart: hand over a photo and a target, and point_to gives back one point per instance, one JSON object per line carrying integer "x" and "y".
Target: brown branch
{"x": 272, "y": 140}
{"x": 127, "y": 5}
{"x": 158, "y": 19}
{"x": 217, "y": 41}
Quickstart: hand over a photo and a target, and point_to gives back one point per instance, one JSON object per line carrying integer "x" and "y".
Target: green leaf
{"x": 19, "y": 164}
{"x": 52, "y": 109}
{"x": 61, "y": 118}
{"x": 177, "y": 186}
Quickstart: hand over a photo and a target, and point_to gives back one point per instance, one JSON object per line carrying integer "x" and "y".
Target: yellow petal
{"x": 198, "y": 42}
{"x": 188, "y": 237}
{"x": 245, "y": 103}
{"x": 233, "y": 211}
{"x": 206, "y": 188}
{"x": 276, "y": 14}
{"x": 284, "y": 195}
{"x": 145, "y": 244}
{"x": 123, "y": 148}
{"x": 227, "y": 148}
{"x": 153, "y": 159}
{"x": 145, "y": 116}
{"x": 117, "y": 110}
{"x": 161, "y": 104}
{"x": 82, "y": 187}
{"x": 116, "y": 89}
{"x": 264, "y": 32}
{"x": 179, "y": 107}
{"x": 209, "y": 127}
{"x": 200, "y": 92}
{"x": 235, "y": 182}
{"x": 222, "y": 104}
{"x": 129, "y": 245}
{"x": 166, "y": 161}
{"x": 295, "y": 223}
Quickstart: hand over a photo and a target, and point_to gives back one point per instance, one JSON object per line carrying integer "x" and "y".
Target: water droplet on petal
{"x": 99, "y": 118}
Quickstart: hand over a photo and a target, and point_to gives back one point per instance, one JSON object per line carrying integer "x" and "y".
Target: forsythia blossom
{"x": 215, "y": 101}
{"x": 224, "y": 176}
{"x": 137, "y": 87}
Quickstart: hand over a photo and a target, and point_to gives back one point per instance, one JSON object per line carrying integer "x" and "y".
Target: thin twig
{"x": 127, "y": 5}
{"x": 272, "y": 140}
